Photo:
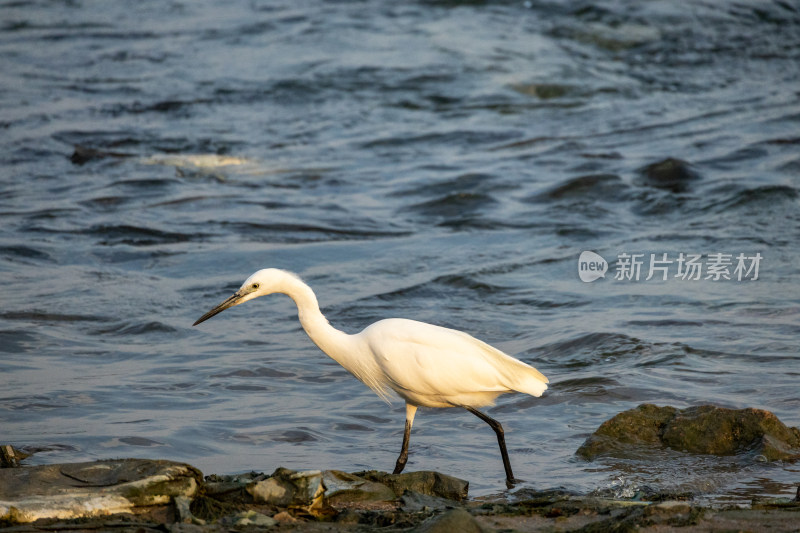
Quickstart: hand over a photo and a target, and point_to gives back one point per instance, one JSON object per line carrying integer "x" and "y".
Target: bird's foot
{"x": 511, "y": 482}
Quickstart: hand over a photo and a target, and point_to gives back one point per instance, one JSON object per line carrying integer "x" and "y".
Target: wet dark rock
{"x": 718, "y": 431}
{"x": 453, "y": 520}
{"x": 343, "y": 487}
{"x": 705, "y": 429}
{"x": 10, "y": 456}
{"x": 636, "y": 427}
{"x": 674, "y": 175}
{"x": 670, "y": 514}
{"x": 532, "y": 497}
{"x": 414, "y": 502}
{"x": 231, "y": 485}
{"x": 206, "y": 509}
{"x": 328, "y": 495}
{"x": 573, "y": 512}
{"x": 424, "y": 482}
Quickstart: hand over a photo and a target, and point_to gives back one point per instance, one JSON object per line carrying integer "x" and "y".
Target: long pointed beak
{"x": 230, "y": 302}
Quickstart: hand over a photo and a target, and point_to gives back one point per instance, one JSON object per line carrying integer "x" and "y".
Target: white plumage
{"x": 434, "y": 366}
{"x": 425, "y": 365}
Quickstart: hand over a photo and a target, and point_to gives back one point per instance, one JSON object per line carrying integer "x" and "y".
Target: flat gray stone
{"x": 80, "y": 490}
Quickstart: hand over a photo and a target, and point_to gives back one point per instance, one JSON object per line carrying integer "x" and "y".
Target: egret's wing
{"x": 433, "y": 361}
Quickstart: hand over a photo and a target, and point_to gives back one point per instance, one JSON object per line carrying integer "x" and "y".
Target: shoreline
{"x": 149, "y": 495}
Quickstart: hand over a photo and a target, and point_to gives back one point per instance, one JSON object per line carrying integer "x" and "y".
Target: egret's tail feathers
{"x": 530, "y": 383}
{"x": 523, "y": 377}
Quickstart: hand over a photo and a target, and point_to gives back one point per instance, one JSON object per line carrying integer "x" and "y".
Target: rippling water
{"x": 445, "y": 161}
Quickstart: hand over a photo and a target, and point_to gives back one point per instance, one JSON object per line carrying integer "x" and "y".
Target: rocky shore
{"x": 144, "y": 495}
{"x": 141, "y": 495}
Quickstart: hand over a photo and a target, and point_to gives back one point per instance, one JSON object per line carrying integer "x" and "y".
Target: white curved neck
{"x": 336, "y": 344}
{"x": 347, "y": 350}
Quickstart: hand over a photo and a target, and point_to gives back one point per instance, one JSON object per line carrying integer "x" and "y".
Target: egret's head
{"x": 263, "y": 282}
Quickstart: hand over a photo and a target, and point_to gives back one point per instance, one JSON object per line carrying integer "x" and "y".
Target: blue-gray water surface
{"x": 439, "y": 160}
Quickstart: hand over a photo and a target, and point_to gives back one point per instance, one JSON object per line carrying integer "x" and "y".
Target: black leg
{"x": 401, "y": 461}
{"x": 411, "y": 410}
{"x": 501, "y": 440}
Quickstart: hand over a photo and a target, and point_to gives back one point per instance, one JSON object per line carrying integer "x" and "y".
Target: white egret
{"x": 425, "y": 365}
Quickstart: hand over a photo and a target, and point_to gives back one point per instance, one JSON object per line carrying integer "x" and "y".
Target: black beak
{"x": 230, "y": 302}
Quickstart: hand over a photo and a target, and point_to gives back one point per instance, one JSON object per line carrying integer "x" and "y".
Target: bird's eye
{"x": 255, "y": 285}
